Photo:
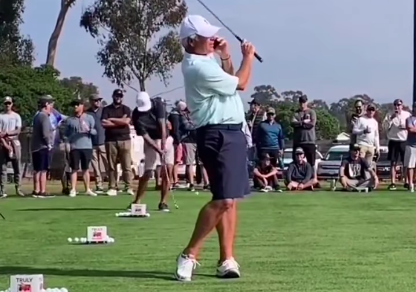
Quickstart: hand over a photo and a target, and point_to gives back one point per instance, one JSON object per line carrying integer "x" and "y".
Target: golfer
{"x": 217, "y": 112}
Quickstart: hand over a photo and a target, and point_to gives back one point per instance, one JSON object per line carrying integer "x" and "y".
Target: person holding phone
{"x": 79, "y": 130}
{"x": 395, "y": 127}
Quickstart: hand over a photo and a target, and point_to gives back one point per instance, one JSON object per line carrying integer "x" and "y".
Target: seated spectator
{"x": 355, "y": 172}
{"x": 265, "y": 175}
{"x": 299, "y": 175}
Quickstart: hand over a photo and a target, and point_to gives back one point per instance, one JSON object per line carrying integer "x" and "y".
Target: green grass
{"x": 305, "y": 242}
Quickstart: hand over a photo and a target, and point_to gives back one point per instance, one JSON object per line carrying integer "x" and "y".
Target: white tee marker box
{"x": 26, "y": 283}
{"x": 138, "y": 210}
{"x": 97, "y": 234}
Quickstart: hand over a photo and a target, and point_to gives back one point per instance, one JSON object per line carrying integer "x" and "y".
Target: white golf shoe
{"x": 185, "y": 266}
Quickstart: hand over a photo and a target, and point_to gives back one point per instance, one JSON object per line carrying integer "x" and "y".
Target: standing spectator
{"x": 99, "y": 157}
{"x": 10, "y": 150}
{"x": 299, "y": 174}
{"x": 368, "y": 138}
{"x": 356, "y": 172}
{"x": 255, "y": 116}
{"x": 270, "y": 139}
{"x": 41, "y": 145}
{"x": 79, "y": 130}
{"x": 115, "y": 119}
{"x": 410, "y": 152}
{"x": 189, "y": 144}
{"x": 174, "y": 119}
{"x": 304, "y": 136}
{"x": 265, "y": 175}
{"x": 358, "y": 112}
{"x": 149, "y": 119}
{"x": 218, "y": 113}
{"x": 395, "y": 127}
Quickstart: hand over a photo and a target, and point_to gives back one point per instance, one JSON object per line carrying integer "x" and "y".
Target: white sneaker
{"x": 185, "y": 266}
{"x": 112, "y": 192}
{"x": 228, "y": 269}
{"x": 73, "y": 193}
{"x": 412, "y": 188}
{"x": 90, "y": 193}
{"x": 130, "y": 192}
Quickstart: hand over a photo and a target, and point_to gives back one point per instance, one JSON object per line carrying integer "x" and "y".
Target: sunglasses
{"x": 97, "y": 100}
{"x": 397, "y": 104}
{"x": 118, "y": 96}
{"x": 7, "y": 103}
{"x": 371, "y": 109}
{"x": 298, "y": 154}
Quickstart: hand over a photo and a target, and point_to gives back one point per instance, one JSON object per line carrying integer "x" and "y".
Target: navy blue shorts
{"x": 223, "y": 152}
{"x": 80, "y": 156}
{"x": 41, "y": 160}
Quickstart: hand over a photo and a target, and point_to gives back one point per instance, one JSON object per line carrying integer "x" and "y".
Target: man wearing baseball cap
{"x": 116, "y": 121}
{"x": 149, "y": 120}
{"x": 10, "y": 150}
{"x": 394, "y": 125}
{"x": 217, "y": 112}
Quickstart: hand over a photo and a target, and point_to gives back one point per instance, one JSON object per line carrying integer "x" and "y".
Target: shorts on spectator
{"x": 41, "y": 160}
{"x": 152, "y": 157}
{"x": 223, "y": 152}
{"x": 178, "y": 153}
{"x": 367, "y": 152}
{"x": 190, "y": 153}
{"x": 79, "y": 157}
{"x": 396, "y": 151}
{"x": 410, "y": 157}
{"x": 310, "y": 152}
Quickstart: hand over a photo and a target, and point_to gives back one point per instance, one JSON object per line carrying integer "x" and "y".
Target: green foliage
{"x": 76, "y": 85}
{"x": 137, "y": 38}
{"x": 14, "y": 48}
{"x": 26, "y": 84}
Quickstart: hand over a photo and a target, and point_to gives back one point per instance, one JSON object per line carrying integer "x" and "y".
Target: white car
{"x": 287, "y": 157}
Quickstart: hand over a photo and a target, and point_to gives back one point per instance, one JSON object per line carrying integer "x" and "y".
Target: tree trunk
{"x": 142, "y": 85}
{"x": 56, "y": 33}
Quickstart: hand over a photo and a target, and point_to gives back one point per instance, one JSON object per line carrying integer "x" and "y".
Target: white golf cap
{"x": 197, "y": 25}
{"x": 143, "y": 102}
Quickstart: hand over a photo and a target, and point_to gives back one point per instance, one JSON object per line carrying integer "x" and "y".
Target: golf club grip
{"x": 260, "y": 59}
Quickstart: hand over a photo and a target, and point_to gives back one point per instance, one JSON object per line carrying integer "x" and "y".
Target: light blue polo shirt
{"x": 211, "y": 94}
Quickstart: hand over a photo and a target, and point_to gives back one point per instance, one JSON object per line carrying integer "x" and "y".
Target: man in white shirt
{"x": 395, "y": 127}
{"x": 368, "y": 138}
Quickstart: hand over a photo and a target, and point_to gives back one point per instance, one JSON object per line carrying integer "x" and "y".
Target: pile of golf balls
{"x": 84, "y": 240}
{"x": 45, "y": 290}
{"x": 128, "y": 214}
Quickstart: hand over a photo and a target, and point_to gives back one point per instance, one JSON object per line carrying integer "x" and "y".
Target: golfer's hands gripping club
{"x": 248, "y": 50}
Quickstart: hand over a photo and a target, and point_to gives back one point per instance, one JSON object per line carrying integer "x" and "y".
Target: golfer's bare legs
{"x": 226, "y": 229}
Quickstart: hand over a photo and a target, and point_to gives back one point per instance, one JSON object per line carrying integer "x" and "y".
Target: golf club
{"x": 260, "y": 59}
{"x": 1, "y": 215}
{"x": 165, "y": 170}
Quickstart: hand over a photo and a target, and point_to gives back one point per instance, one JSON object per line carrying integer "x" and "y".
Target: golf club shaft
{"x": 260, "y": 59}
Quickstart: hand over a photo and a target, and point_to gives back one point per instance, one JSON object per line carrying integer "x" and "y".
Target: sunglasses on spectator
{"x": 371, "y": 109}
{"x": 397, "y": 104}
{"x": 118, "y": 96}
{"x": 7, "y": 103}
{"x": 97, "y": 100}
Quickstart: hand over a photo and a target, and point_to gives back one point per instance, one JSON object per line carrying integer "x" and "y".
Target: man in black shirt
{"x": 116, "y": 121}
{"x": 355, "y": 172}
{"x": 149, "y": 120}
{"x": 299, "y": 175}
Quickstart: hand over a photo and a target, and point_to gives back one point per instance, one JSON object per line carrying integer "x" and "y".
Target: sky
{"x": 329, "y": 49}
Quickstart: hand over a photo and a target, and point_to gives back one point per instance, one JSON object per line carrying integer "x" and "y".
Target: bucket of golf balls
{"x": 84, "y": 240}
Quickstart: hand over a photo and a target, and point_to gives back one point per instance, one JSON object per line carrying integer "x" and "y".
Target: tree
{"x": 291, "y": 95}
{"x": 26, "y": 85}
{"x": 137, "y": 37}
{"x": 76, "y": 85}
{"x": 319, "y": 104}
{"x": 56, "y": 33}
{"x": 265, "y": 94}
{"x": 14, "y": 48}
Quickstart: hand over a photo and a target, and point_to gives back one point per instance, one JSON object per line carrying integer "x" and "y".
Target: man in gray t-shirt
{"x": 41, "y": 145}
{"x": 410, "y": 152}
{"x": 10, "y": 149}
{"x": 304, "y": 136}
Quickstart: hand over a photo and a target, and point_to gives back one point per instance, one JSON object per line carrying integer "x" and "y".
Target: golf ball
{"x": 147, "y": 215}
{"x": 69, "y": 239}
{"x": 117, "y": 214}
{"x": 64, "y": 290}
{"x": 76, "y": 239}
{"x": 83, "y": 240}
{"x": 196, "y": 193}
